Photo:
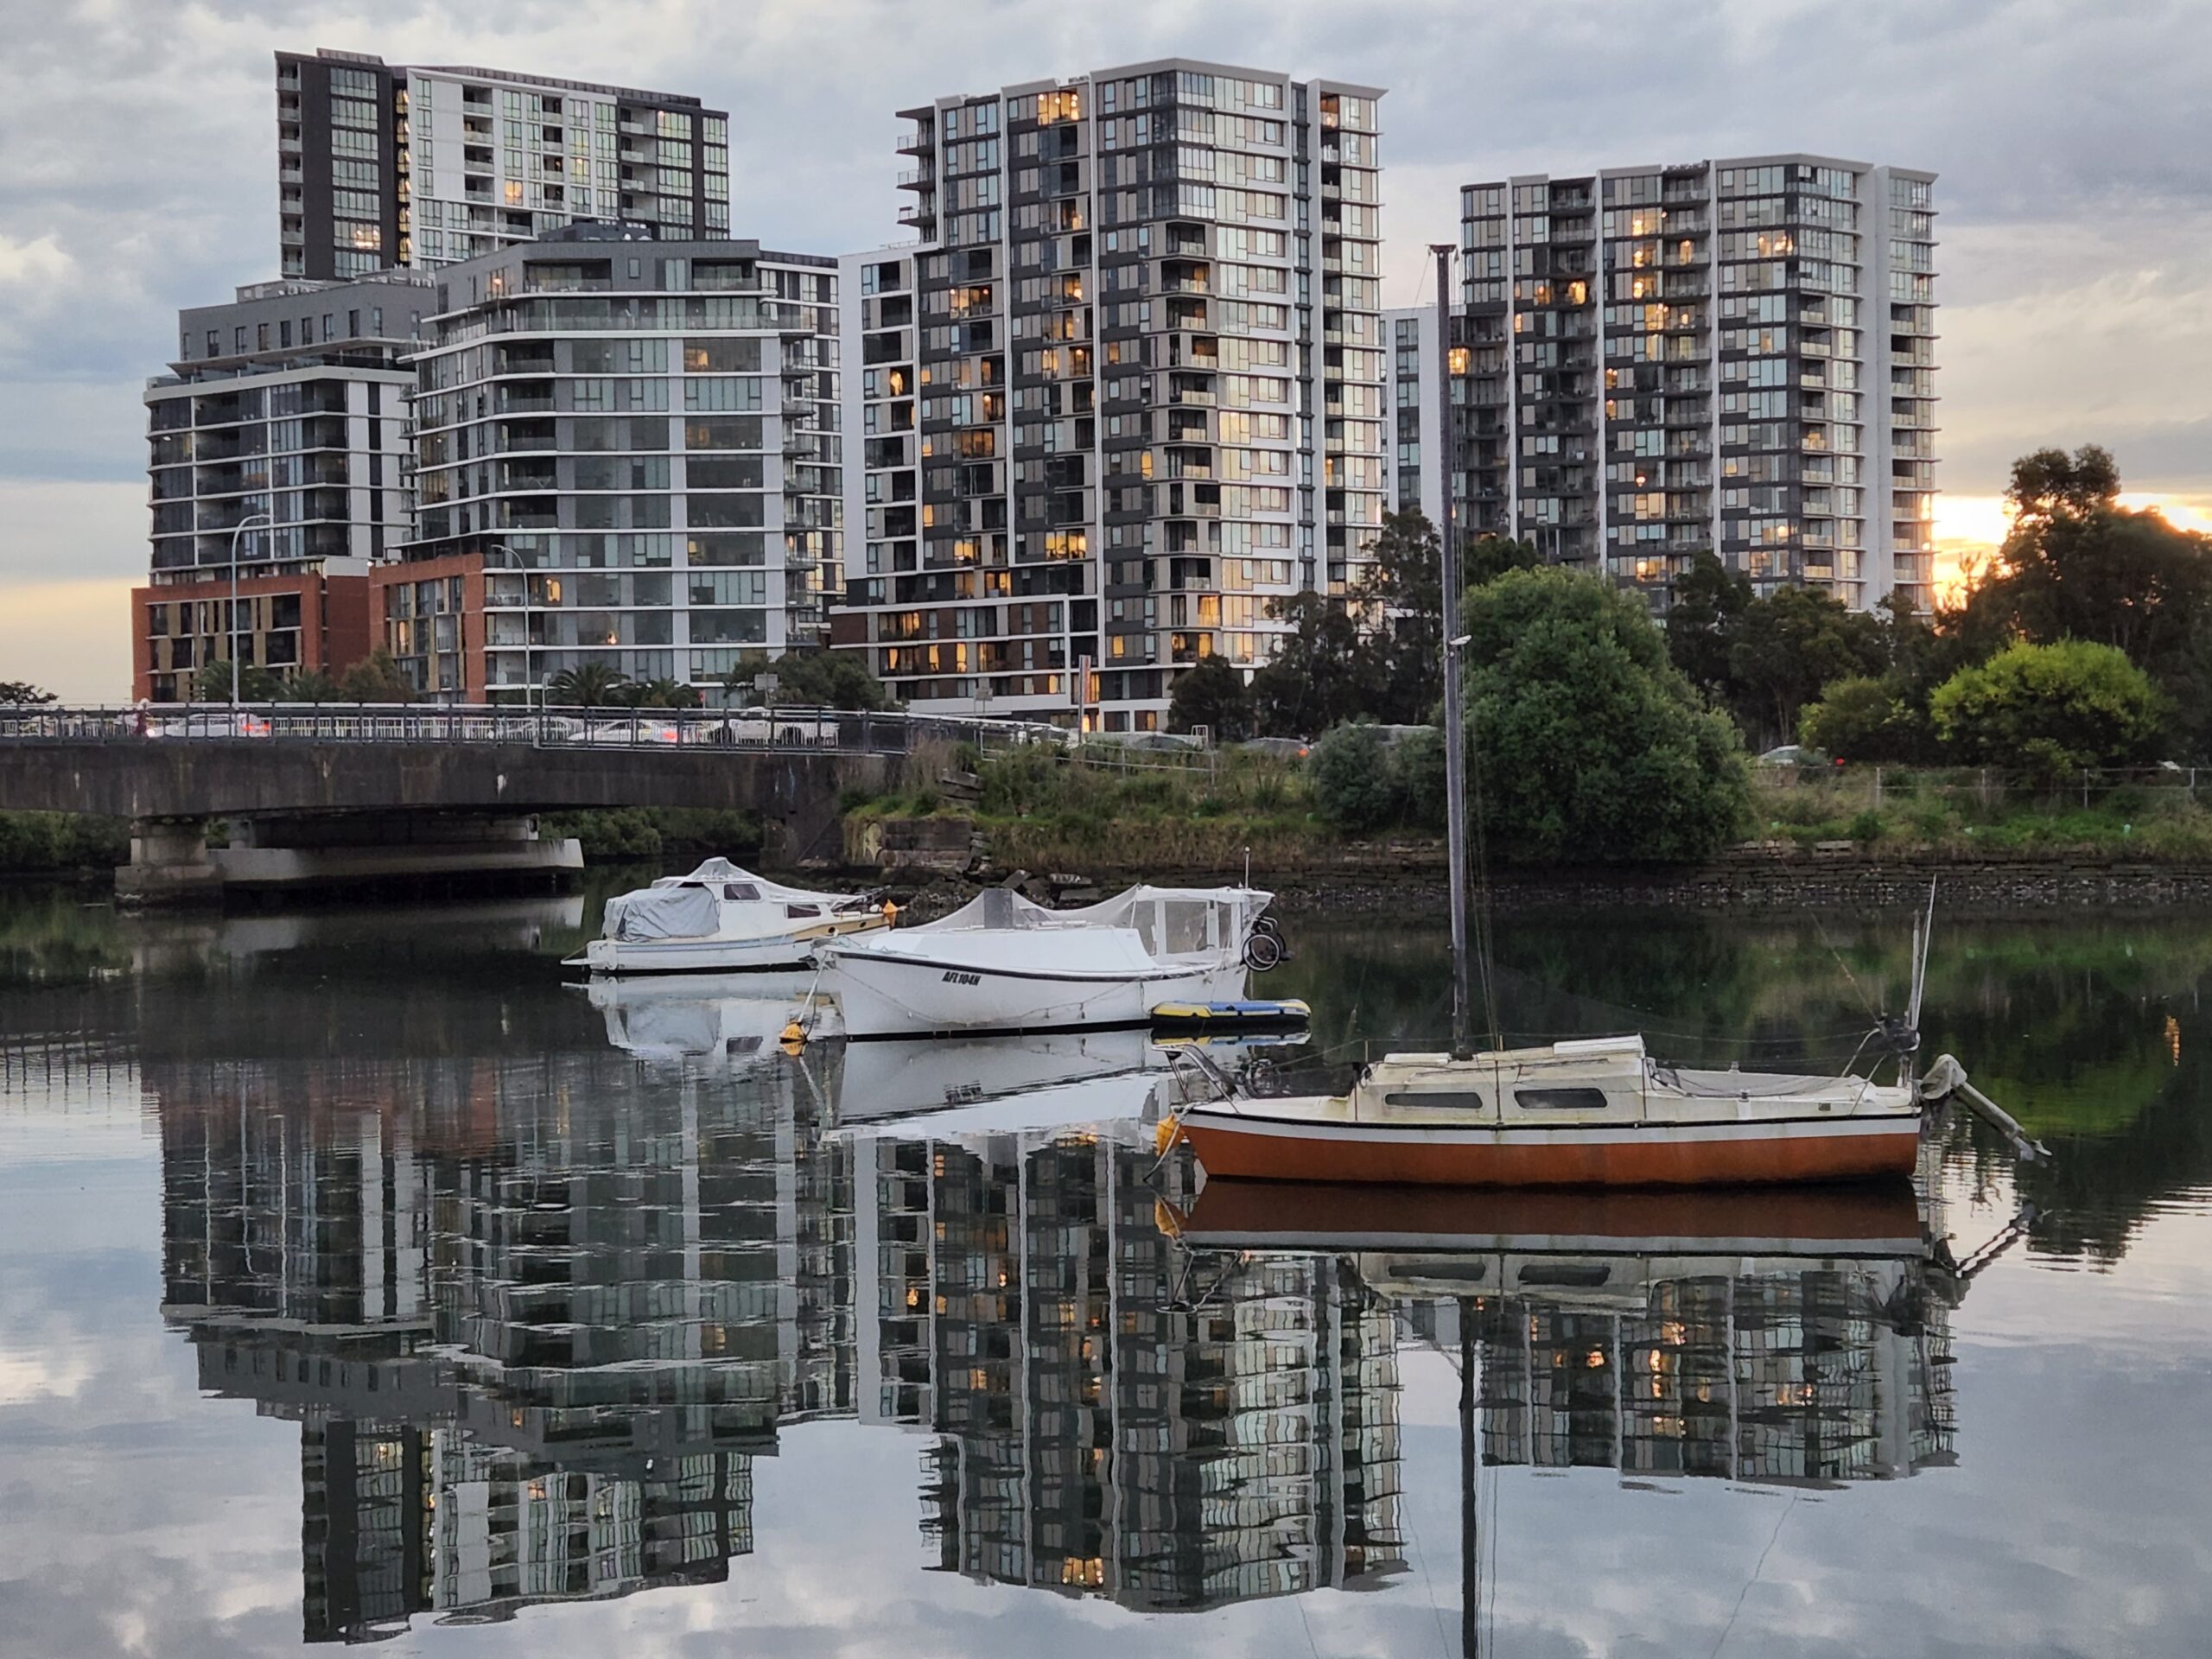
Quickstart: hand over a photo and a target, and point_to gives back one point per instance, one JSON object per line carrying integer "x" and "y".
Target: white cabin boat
{"x": 1598, "y": 1112}
{"x": 1002, "y": 964}
{"x": 721, "y": 920}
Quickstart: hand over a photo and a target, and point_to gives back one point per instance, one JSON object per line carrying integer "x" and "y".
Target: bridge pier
{"x": 169, "y": 864}
{"x": 172, "y": 863}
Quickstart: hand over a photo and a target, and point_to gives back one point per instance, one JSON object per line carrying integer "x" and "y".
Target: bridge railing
{"x": 841, "y": 731}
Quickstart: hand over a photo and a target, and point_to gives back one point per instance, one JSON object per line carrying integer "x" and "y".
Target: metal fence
{"x": 1848, "y": 788}
{"x": 805, "y": 730}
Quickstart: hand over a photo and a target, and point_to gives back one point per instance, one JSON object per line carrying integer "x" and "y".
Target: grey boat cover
{"x": 658, "y": 912}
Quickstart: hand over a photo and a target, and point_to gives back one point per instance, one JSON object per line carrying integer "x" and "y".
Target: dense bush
{"x": 1355, "y": 785}
{"x": 43, "y": 844}
{"x": 2051, "y": 709}
{"x": 1594, "y": 747}
{"x": 1873, "y": 721}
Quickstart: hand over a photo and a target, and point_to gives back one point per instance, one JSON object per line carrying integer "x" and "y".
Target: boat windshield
{"x": 1168, "y": 921}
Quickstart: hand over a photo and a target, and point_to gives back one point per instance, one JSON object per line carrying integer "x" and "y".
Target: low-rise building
{"x": 277, "y": 442}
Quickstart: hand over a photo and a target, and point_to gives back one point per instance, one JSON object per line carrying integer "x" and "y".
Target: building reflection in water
{"x": 536, "y": 1320}
{"x": 1093, "y": 1433}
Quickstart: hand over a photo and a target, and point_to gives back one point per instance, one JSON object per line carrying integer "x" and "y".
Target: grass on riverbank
{"x": 1917, "y": 816}
{"x": 619, "y": 835}
{"x": 1047, "y": 810}
{"x": 1042, "y": 809}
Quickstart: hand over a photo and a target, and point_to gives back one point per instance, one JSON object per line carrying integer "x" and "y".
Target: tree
{"x": 662, "y": 693}
{"x": 1589, "y": 744}
{"x": 309, "y": 685}
{"x": 1703, "y": 605}
{"x": 2048, "y": 483}
{"x": 1787, "y": 646}
{"x": 1355, "y": 786}
{"x": 211, "y": 683}
{"x": 1320, "y": 675}
{"x": 1211, "y": 693}
{"x": 21, "y": 694}
{"x": 1489, "y": 557}
{"x": 1401, "y": 597}
{"x": 1877, "y": 721}
{"x": 827, "y": 679}
{"x": 2076, "y": 565}
{"x": 377, "y": 678}
{"x": 2051, "y": 709}
{"x": 590, "y": 685}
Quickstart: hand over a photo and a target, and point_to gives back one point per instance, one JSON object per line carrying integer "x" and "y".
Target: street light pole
{"x": 237, "y": 530}
{"x": 523, "y": 571}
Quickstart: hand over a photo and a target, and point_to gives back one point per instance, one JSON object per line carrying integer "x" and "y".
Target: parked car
{"x": 1286, "y": 748}
{"x": 1792, "y": 754}
{"x": 215, "y": 723}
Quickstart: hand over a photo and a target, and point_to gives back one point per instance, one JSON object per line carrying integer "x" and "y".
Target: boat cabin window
{"x": 740, "y": 891}
{"x": 801, "y": 910}
{"x": 1567, "y": 1276}
{"x": 1560, "y": 1100}
{"x": 1438, "y": 1100}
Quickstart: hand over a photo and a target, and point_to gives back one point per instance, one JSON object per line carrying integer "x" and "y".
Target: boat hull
{"x": 882, "y": 995}
{"x": 1859, "y": 1146}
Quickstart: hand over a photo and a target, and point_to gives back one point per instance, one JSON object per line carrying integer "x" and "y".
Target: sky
{"x": 2075, "y": 211}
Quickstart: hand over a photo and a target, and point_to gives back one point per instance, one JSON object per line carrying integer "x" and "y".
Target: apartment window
{"x": 284, "y": 334}
{"x": 328, "y": 332}
{"x": 214, "y": 342}
{"x": 261, "y": 337}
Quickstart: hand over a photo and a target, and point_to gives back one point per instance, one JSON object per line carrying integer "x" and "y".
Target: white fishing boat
{"x": 1002, "y": 964}
{"x": 721, "y": 920}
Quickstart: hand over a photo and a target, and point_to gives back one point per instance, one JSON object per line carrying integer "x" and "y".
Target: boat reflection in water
{"x": 535, "y": 1317}
{"x": 699, "y": 1016}
{"x": 1768, "y": 1334}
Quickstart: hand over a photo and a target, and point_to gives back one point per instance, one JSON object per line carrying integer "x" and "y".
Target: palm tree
{"x": 595, "y": 685}
{"x": 662, "y": 694}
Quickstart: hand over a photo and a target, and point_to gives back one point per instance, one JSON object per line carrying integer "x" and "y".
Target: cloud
{"x": 2076, "y": 219}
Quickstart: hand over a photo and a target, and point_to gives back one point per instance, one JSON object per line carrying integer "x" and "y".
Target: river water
{"x": 359, "y": 1279}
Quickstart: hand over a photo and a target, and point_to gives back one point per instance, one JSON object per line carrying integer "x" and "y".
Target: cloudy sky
{"x": 2075, "y": 211}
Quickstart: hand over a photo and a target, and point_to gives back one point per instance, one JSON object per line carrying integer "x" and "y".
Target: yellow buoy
{"x": 794, "y": 1035}
{"x": 890, "y": 914}
{"x": 1169, "y": 1132}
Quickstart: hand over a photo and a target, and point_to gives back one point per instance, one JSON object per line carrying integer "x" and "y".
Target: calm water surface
{"x": 360, "y": 1281}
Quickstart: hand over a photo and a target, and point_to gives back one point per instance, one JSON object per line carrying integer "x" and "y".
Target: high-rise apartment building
{"x": 1413, "y": 463}
{"x": 278, "y": 437}
{"x": 645, "y": 432}
{"x": 387, "y": 164}
{"x": 1736, "y": 355}
{"x": 1127, "y": 390}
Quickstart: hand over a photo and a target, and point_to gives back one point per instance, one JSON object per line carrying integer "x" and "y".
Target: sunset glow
{"x": 1972, "y": 527}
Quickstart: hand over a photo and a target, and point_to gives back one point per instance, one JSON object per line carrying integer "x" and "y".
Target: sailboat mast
{"x": 1455, "y": 740}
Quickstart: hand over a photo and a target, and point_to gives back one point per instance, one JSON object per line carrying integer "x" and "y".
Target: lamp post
{"x": 523, "y": 571}
{"x": 238, "y": 531}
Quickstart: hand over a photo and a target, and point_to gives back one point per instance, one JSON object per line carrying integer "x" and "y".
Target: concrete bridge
{"x": 319, "y": 795}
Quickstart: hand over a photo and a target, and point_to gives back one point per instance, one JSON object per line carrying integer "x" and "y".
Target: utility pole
{"x": 1455, "y": 734}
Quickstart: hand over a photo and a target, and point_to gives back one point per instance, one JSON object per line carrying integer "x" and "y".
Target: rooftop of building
{"x": 1153, "y": 66}
{"x": 472, "y": 71}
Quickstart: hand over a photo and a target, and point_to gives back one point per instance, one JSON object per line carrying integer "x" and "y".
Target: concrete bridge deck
{"x": 280, "y": 767}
